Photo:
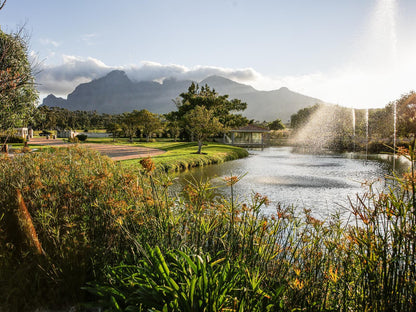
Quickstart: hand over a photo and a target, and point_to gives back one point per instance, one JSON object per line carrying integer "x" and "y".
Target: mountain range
{"x": 116, "y": 93}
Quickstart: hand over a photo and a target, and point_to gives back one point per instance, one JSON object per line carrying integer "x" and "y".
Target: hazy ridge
{"x": 115, "y": 93}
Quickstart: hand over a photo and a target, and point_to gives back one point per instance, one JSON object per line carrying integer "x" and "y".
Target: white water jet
{"x": 366, "y": 134}
{"x": 394, "y": 135}
{"x": 353, "y": 128}
{"x": 383, "y": 38}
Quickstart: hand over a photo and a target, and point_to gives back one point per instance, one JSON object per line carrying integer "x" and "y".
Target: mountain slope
{"x": 115, "y": 93}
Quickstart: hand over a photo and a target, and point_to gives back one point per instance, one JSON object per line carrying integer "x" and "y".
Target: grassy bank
{"x": 181, "y": 155}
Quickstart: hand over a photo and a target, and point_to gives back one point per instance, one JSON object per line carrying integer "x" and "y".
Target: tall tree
{"x": 113, "y": 128}
{"x": 302, "y": 116}
{"x": 17, "y": 90}
{"x": 202, "y": 123}
{"x": 276, "y": 125}
{"x": 130, "y": 124}
{"x": 220, "y": 106}
{"x": 148, "y": 123}
{"x": 406, "y": 115}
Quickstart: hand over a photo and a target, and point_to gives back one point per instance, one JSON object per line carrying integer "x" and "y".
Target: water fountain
{"x": 366, "y": 134}
{"x": 394, "y": 135}
{"x": 353, "y": 129}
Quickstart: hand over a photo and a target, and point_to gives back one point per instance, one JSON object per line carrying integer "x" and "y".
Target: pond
{"x": 322, "y": 183}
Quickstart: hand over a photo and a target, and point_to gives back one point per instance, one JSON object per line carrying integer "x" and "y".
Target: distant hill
{"x": 115, "y": 93}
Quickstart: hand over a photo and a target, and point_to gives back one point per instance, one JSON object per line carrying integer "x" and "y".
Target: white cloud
{"x": 352, "y": 85}
{"x": 62, "y": 79}
{"x": 47, "y": 41}
{"x": 89, "y": 38}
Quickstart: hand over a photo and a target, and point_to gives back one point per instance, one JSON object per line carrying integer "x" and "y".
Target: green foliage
{"x": 60, "y": 118}
{"x": 76, "y": 199}
{"x": 220, "y": 106}
{"x": 181, "y": 155}
{"x": 406, "y": 112}
{"x": 144, "y": 121}
{"x": 176, "y": 281}
{"x": 202, "y": 124}
{"x": 141, "y": 248}
{"x": 11, "y": 139}
{"x": 82, "y": 137}
{"x": 276, "y": 125}
{"x": 113, "y": 128}
{"x": 17, "y": 91}
{"x": 300, "y": 119}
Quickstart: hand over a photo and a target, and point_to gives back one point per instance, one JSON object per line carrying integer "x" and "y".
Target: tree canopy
{"x": 302, "y": 117}
{"x": 406, "y": 114}
{"x": 220, "y": 106}
{"x": 276, "y": 125}
{"x": 203, "y": 124}
{"x": 17, "y": 90}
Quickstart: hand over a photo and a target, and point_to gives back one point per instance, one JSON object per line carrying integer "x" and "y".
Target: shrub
{"x": 82, "y": 137}
{"x": 12, "y": 139}
{"x": 78, "y": 201}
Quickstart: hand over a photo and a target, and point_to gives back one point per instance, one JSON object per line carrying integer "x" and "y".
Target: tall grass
{"x": 141, "y": 248}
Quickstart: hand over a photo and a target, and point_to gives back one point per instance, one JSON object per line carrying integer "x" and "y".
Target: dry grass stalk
{"x": 26, "y": 224}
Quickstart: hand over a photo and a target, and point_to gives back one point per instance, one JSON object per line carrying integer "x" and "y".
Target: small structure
{"x": 247, "y": 136}
{"x": 22, "y": 132}
{"x": 68, "y": 134}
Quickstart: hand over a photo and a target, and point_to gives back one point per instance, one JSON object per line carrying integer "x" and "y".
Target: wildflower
{"x": 313, "y": 221}
{"x": 264, "y": 225}
{"x": 231, "y": 180}
{"x": 258, "y": 198}
{"x": 298, "y": 284}
{"x": 402, "y": 151}
{"x": 148, "y": 164}
{"x": 333, "y": 274}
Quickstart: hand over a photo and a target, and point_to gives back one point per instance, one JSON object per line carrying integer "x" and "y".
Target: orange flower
{"x": 148, "y": 164}
{"x": 231, "y": 180}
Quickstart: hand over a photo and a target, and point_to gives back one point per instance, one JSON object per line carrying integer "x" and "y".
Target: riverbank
{"x": 180, "y": 156}
{"x": 168, "y": 156}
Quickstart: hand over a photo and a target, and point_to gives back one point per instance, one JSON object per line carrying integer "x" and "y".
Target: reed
{"x": 138, "y": 246}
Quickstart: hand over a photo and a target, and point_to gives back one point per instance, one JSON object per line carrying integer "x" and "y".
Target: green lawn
{"x": 181, "y": 155}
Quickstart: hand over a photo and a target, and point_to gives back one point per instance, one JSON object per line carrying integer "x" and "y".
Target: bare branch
{"x": 2, "y": 4}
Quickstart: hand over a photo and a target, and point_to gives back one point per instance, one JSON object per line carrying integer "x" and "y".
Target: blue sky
{"x": 352, "y": 52}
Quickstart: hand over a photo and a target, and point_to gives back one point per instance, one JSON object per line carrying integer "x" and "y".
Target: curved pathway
{"x": 115, "y": 152}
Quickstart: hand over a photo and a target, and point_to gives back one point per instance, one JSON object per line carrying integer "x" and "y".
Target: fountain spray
{"x": 394, "y": 135}
{"x": 353, "y": 129}
{"x": 366, "y": 134}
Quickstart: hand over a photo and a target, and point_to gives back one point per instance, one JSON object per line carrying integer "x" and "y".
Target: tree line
{"x": 348, "y": 126}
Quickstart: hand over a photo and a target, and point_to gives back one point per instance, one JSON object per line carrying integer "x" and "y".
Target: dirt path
{"x": 116, "y": 152}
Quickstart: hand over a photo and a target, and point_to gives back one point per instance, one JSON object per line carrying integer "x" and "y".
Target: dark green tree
{"x": 220, "y": 106}
{"x": 114, "y": 128}
{"x": 276, "y": 125}
{"x": 149, "y": 123}
{"x": 202, "y": 123}
{"x": 17, "y": 90}
{"x": 302, "y": 117}
{"x": 406, "y": 115}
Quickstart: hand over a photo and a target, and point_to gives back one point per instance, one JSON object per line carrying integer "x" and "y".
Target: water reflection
{"x": 321, "y": 183}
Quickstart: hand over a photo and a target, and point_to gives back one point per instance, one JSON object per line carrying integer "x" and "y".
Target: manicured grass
{"x": 179, "y": 155}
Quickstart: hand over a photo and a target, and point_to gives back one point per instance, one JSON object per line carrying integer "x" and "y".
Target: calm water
{"x": 318, "y": 182}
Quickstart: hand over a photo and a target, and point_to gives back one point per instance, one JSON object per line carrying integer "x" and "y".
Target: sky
{"x": 355, "y": 53}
